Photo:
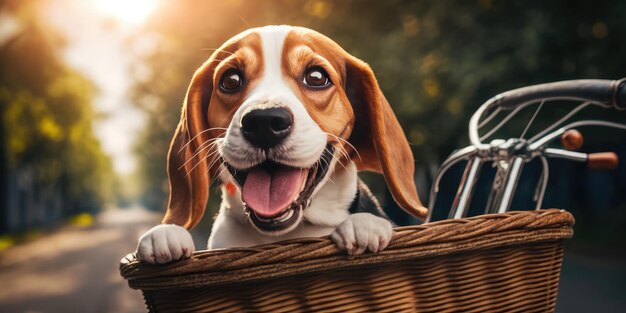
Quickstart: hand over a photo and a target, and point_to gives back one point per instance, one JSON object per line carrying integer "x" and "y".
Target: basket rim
{"x": 307, "y": 255}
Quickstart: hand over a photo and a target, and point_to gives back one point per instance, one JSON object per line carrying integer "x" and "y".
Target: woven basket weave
{"x": 491, "y": 263}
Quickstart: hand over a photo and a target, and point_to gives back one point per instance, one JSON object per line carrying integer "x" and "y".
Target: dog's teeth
{"x": 264, "y": 220}
{"x": 286, "y": 216}
{"x": 283, "y": 217}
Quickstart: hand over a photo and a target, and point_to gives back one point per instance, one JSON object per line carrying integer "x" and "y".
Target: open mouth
{"x": 275, "y": 195}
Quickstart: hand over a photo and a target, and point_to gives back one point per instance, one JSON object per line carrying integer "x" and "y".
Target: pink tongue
{"x": 268, "y": 194}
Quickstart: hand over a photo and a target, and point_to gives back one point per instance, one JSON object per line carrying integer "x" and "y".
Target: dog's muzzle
{"x": 275, "y": 195}
{"x": 266, "y": 128}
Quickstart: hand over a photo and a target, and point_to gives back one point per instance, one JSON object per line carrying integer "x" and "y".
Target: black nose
{"x": 266, "y": 128}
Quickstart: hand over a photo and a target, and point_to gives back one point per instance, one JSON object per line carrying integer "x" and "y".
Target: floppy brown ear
{"x": 187, "y": 168}
{"x": 378, "y": 137}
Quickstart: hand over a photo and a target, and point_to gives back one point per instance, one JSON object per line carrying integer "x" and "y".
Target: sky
{"x": 97, "y": 33}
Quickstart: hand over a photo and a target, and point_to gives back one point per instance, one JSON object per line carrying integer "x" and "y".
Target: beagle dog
{"x": 284, "y": 118}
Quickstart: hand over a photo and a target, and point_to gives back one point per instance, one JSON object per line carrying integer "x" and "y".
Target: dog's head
{"x": 274, "y": 109}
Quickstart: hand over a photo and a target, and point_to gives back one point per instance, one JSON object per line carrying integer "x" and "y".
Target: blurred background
{"x": 90, "y": 94}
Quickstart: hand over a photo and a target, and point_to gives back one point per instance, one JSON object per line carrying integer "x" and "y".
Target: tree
{"x": 54, "y": 165}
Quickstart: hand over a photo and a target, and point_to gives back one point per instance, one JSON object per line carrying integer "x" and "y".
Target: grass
{"x": 82, "y": 220}
{"x": 6, "y": 241}
{"x": 9, "y": 240}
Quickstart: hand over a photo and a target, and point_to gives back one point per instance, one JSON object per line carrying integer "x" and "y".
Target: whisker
{"x": 215, "y": 160}
{"x": 339, "y": 161}
{"x": 347, "y": 143}
{"x": 193, "y": 156}
{"x": 343, "y": 153}
{"x": 200, "y": 148}
{"x": 319, "y": 162}
{"x": 195, "y": 165}
{"x": 218, "y": 49}
{"x": 203, "y": 146}
{"x": 206, "y": 156}
{"x": 244, "y": 20}
{"x": 353, "y": 148}
{"x": 221, "y": 50}
{"x": 214, "y": 179}
{"x": 200, "y": 133}
{"x": 216, "y": 151}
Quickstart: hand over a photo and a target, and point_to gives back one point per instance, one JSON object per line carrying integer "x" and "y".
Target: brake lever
{"x": 572, "y": 140}
{"x": 606, "y": 161}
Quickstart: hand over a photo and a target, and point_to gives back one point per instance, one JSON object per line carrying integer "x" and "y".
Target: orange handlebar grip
{"x": 602, "y": 161}
{"x": 572, "y": 140}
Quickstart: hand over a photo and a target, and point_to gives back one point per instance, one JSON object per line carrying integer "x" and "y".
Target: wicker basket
{"x": 491, "y": 263}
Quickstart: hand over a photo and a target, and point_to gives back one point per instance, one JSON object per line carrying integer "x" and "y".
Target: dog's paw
{"x": 362, "y": 231}
{"x": 165, "y": 243}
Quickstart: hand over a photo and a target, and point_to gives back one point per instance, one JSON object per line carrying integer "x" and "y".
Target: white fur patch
{"x": 165, "y": 243}
{"x": 362, "y": 232}
{"x": 330, "y": 204}
{"x": 307, "y": 141}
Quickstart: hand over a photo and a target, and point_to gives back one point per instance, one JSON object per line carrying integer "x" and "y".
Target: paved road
{"x": 592, "y": 281}
{"x": 75, "y": 269}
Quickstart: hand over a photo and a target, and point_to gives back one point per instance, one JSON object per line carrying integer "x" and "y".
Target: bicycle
{"x": 502, "y": 261}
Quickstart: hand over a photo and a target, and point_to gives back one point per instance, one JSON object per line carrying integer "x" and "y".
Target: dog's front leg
{"x": 165, "y": 243}
{"x": 363, "y": 231}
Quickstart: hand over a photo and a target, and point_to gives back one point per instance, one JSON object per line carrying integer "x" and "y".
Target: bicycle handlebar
{"x": 510, "y": 155}
{"x": 607, "y": 161}
{"x": 595, "y": 161}
{"x": 612, "y": 92}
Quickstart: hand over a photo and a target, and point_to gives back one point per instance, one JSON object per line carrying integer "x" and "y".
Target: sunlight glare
{"x": 126, "y": 11}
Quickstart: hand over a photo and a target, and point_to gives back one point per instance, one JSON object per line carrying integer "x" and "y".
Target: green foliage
{"x": 47, "y": 118}
{"x": 436, "y": 61}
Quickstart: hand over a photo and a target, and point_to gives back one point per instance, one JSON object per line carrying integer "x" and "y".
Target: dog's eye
{"x": 231, "y": 81}
{"x": 316, "y": 77}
